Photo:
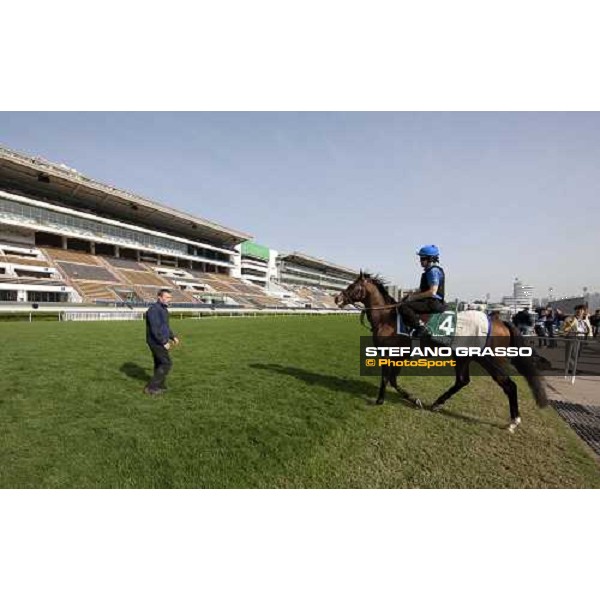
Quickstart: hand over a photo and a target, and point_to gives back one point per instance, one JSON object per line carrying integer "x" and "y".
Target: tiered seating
{"x": 325, "y": 300}
{"x": 182, "y": 280}
{"x": 71, "y": 256}
{"x": 266, "y": 301}
{"x": 242, "y": 301}
{"x": 217, "y": 283}
{"x": 146, "y": 282}
{"x": 124, "y": 263}
{"x": 92, "y": 291}
{"x": 87, "y": 272}
{"x": 25, "y": 265}
{"x": 304, "y": 293}
{"x": 31, "y": 281}
{"x": 242, "y": 293}
{"x": 111, "y": 279}
{"x": 148, "y": 294}
{"x": 142, "y": 278}
{"x": 313, "y": 296}
{"x": 21, "y": 260}
{"x": 242, "y": 288}
{"x": 126, "y": 294}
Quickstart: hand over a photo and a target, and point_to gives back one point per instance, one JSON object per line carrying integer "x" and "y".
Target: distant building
{"x": 522, "y": 297}
{"x": 567, "y": 303}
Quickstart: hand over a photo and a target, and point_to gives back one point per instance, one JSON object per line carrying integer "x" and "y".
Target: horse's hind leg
{"x": 462, "y": 379}
{"x": 509, "y": 387}
{"x": 394, "y": 373}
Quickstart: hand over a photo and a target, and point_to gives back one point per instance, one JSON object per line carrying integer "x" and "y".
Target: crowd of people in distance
{"x": 547, "y": 323}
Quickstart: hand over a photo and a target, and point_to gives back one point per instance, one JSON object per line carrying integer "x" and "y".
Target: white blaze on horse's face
{"x": 355, "y": 292}
{"x": 342, "y": 298}
{"x": 352, "y": 294}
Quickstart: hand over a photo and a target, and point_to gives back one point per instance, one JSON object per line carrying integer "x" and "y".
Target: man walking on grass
{"x": 160, "y": 339}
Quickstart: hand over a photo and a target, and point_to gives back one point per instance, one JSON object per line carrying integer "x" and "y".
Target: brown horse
{"x": 380, "y": 310}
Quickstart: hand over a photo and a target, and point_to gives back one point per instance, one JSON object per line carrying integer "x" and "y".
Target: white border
{"x": 322, "y": 55}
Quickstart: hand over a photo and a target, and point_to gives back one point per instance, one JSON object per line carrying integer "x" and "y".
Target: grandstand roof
{"x": 311, "y": 261}
{"x": 61, "y": 183}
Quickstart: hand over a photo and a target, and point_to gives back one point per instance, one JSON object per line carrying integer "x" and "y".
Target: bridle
{"x": 363, "y": 296}
{"x": 365, "y": 309}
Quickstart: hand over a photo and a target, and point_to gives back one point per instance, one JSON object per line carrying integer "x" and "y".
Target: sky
{"x": 503, "y": 195}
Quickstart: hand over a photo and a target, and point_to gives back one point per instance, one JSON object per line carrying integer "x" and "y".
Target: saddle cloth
{"x": 445, "y": 327}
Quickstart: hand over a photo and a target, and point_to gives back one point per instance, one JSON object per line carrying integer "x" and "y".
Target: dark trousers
{"x": 409, "y": 311}
{"x": 162, "y": 366}
{"x": 540, "y": 331}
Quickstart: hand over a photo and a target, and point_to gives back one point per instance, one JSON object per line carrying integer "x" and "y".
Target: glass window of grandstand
{"x": 47, "y": 297}
{"x": 8, "y": 295}
{"x": 207, "y": 253}
{"x": 129, "y": 253}
{"x": 33, "y": 274}
{"x": 85, "y": 226}
{"x": 79, "y": 245}
{"x": 48, "y": 240}
{"x": 105, "y": 249}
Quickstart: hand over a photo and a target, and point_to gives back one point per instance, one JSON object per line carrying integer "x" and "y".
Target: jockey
{"x": 430, "y": 298}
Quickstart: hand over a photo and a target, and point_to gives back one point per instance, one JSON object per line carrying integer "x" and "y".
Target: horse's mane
{"x": 381, "y": 284}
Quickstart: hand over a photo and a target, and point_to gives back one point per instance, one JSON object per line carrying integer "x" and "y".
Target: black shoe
{"x": 419, "y": 332}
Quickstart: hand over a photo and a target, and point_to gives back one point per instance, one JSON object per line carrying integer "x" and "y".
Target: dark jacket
{"x": 424, "y": 284}
{"x": 158, "y": 331}
{"x": 523, "y": 318}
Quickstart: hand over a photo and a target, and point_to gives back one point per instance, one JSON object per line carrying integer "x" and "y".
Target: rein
{"x": 363, "y": 312}
{"x": 383, "y": 307}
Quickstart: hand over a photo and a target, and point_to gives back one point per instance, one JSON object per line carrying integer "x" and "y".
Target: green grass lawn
{"x": 265, "y": 402}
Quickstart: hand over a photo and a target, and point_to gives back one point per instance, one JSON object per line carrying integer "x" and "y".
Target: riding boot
{"x": 419, "y": 332}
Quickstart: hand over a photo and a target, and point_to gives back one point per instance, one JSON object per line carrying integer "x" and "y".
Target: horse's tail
{"x": 526, "y": 366}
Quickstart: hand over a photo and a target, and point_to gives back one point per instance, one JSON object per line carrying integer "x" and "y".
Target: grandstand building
{"x": 257, "y": 263}
{"x": 66, "y": 238}
{"x": 314, "y": 280}
{"x": 301, "y": 269}
{"x": 567, "y": 304}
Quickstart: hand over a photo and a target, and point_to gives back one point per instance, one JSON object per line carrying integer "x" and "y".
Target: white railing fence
{"x": 101, "y": 316}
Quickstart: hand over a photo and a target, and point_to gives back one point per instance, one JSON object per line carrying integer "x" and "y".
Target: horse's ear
{"x": 361, "y": 274}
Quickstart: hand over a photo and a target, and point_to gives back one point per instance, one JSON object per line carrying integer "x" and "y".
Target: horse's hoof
{"x": 514, "y": 424}
{"x": 379, "y": 401}
{"x": 418, "y": 403}
{"x": 436, "y": 407}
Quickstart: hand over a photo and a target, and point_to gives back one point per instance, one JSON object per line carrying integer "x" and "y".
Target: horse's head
{"x": 355, "y": 292}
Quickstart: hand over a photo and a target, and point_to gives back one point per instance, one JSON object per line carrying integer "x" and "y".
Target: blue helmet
{"x": 430, "y": 251}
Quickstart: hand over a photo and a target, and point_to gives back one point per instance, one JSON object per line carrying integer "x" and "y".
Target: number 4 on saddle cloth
{"x": 445, "y": 327}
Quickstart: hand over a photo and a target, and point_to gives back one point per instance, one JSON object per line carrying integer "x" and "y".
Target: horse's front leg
{"x": 395, "y": 372}
{"x": 383, "y": 383}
